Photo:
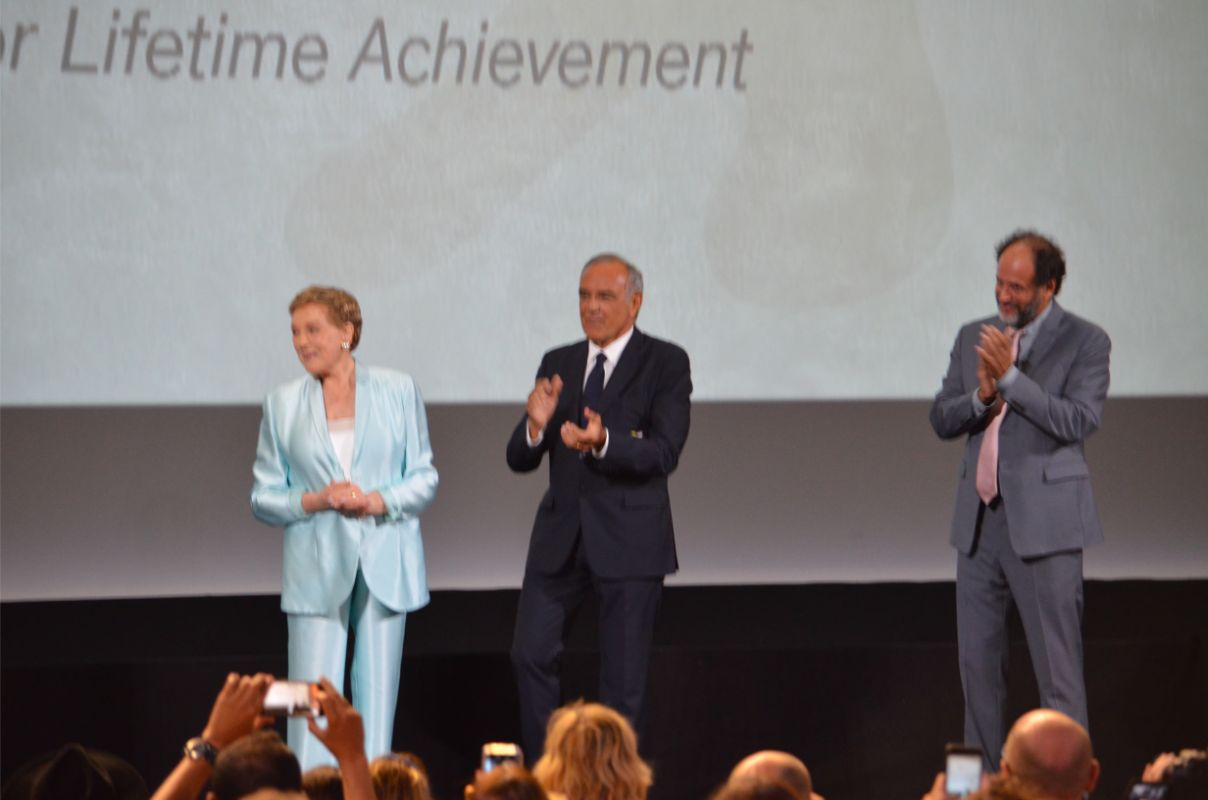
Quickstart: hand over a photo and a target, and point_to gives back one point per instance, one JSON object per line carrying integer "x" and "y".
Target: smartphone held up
{"x": 962, "y": 770}
{"x": 495, "y": 754}
{"x": 291, "y": 699}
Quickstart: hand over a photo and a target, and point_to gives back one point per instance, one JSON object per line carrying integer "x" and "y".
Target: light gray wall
{"x": 135, "y": 502}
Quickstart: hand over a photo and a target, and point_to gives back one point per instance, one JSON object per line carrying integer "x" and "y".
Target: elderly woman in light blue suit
{"x": 344, "y": 464}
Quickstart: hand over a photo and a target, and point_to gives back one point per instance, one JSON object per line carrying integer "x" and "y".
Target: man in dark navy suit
{"x": 612, "y": 414}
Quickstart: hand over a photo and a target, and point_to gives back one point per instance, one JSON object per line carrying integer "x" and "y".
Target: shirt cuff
{"x": 979, "y": 407}
{"x": 295, "y": 502}
{"x": 603, "y": 448}
{"x": 531, "y": 441}
{"x": 1009, "y": 377}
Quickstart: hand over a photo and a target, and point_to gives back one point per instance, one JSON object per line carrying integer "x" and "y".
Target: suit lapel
{"x": 572, "y": 380}
{"x": 318, "y": 419}
{"x": 361, "y": 423}
{"x": 1046, "y": 337}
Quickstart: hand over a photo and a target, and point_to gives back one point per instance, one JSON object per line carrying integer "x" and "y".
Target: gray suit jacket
{"x": 1053, "y": 406}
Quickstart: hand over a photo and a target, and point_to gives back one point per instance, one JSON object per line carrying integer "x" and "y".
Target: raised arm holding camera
{"x": 239, "y": 765}
{"x": 237, "y": 712}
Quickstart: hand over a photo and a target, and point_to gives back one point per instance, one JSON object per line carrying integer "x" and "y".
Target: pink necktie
{"x": 987, "y": 457}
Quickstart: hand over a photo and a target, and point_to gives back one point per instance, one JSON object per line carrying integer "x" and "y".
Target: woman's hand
{"x": 347, "y": 498}
{"x": 352, "y": 501}
{"x": 328, "y": 499}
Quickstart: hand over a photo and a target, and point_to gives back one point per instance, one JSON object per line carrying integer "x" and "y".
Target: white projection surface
{"x": 813, "y": 189}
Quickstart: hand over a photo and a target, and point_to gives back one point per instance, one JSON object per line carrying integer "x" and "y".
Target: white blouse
{"x": 341, "y": 433}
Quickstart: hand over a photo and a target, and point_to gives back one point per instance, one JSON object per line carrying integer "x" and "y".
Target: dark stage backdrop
{"x": 860, "y": 680}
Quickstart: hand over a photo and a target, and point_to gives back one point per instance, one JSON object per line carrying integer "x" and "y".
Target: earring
{"x": 346, "y": 345}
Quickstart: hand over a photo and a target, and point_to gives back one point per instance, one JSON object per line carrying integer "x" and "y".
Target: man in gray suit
{"x": 1026, "y": 388}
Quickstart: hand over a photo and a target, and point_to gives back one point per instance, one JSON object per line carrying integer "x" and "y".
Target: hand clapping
{"x": 584, "y": 439}
{"x": 994, "y": 351}
{"x": 542, "y": 402}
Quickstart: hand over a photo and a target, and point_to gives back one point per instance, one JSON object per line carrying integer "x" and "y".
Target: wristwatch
{"x": 198, "y": 749}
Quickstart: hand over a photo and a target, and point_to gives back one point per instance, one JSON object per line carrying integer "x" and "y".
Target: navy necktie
{"x": 593, "y": 389}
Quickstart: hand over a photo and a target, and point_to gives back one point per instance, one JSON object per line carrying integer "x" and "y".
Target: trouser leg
{"x": 317, "y": 646}
{"x": 547, "y": 603}
{"x": 983, "y": 599}
{"x": 377, "y": 659}
{"x": 1048, "y": 594}
{"x": 627, "y": 611}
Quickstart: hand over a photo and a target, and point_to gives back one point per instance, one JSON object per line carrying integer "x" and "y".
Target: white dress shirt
{"x": 612, "y": 354}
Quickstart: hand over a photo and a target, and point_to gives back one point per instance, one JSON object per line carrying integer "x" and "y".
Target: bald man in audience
{"x": 776, "y": 766}
{"x": 1047, "y": 756}
{"x": 1050, "y": 754}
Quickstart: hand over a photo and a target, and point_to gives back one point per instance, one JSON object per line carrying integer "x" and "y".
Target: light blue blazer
{"x": 391, "y": 455}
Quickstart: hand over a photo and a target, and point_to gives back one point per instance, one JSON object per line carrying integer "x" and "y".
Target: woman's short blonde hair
{"x": 591, "y": 753}
{"x": 341, "y": 306}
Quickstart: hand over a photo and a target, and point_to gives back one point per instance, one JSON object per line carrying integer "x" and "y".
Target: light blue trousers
{"x": 317, "y": 647}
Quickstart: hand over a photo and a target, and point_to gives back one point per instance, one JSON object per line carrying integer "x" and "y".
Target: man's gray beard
{"x": 1025, "y": 316}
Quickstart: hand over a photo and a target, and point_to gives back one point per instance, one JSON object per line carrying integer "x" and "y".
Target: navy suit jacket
{"x": 619, "y": 503}
{"x": 1053, "y": 406}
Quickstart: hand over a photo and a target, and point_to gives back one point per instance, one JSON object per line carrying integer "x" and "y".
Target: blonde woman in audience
{"x": 591, "y": 753}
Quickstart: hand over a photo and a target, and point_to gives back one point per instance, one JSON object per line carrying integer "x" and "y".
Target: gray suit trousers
{"x": 1047, "y": 590}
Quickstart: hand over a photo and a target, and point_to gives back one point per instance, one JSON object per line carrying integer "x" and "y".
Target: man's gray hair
{"x": 633, "y": 281}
